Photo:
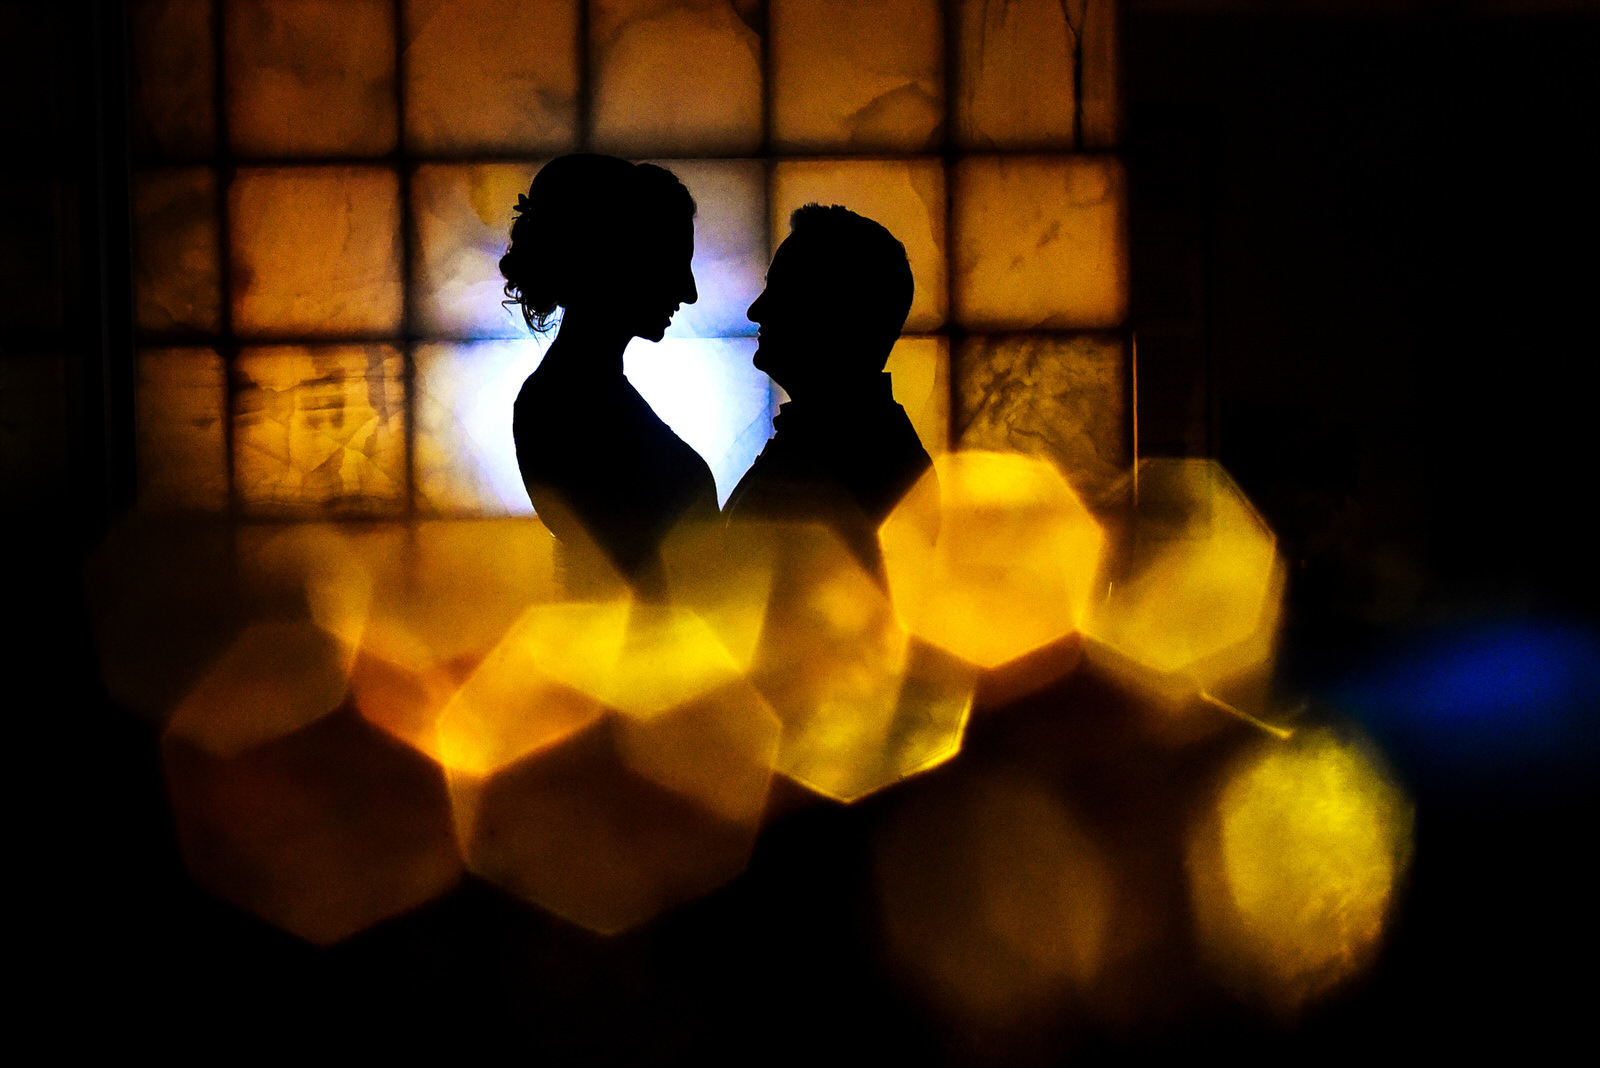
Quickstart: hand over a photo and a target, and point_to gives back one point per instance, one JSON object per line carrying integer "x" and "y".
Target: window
{"x": 323, "y": 190}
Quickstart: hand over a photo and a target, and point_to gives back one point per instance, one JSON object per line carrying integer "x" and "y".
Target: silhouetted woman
{"x": 609, "y": 242}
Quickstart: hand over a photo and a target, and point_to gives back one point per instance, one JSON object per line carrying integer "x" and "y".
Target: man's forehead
{"x": 799, "y": 261}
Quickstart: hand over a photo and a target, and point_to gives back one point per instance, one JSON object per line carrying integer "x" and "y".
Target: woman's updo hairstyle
{"x": 577, "y": 223}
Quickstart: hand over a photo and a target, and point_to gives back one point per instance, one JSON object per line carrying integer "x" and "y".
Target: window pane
{"x": 906, "y": 196}
{"x": 1016, "y": 75}
{"x": 176, "y": 281}
{"x": 491, "y": 75}
{"x": 1100, "y": 101}
{"x": 320, "y": 430}
{"x": 174, "y": 66}
{"x": 865, "y": 75}
{"x": 1041, "y": 242}
{"x": 466, "y": 458}
{"x": 315, "y": 250}
{"x": 675, "y": 77}
{"x": 1060, "y": 398}
{"x": 463, "y": 220}
{"x": 710, "y": 394}
{"x": 311, "y": 77}
{"x": 919, "y": 367}
{"x": 181, "y": 397}
{"x": 730, "y": 245}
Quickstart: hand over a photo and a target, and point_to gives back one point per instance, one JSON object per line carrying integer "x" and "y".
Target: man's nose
{"x": 693, "y": 292}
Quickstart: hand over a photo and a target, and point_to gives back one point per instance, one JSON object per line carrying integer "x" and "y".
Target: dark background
{"x": 1364, "y": 260}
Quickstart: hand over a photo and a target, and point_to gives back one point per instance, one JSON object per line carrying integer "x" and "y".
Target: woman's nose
{"x": 753, "y": 313}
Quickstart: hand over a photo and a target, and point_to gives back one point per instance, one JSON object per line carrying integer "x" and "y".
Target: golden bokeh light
{"x": 863, "y": 704}
{"x": 608, "y": 761}
{"x": 1295, "y": 869}
{"x": 322, "y": 831}
{"x": 1193, "y": 596}
{"x": 991, "y": 555}
{"x": 993, "y": 897}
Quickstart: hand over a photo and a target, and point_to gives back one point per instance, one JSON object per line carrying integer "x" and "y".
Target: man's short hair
{"x": 869, "y": 274}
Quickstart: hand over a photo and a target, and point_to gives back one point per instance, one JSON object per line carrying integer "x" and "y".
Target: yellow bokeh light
{"x": 862, "y": 703}
{"x": 1193, "y": 597}
{"x": 607, "y": 761}
{"x": 991, "y": 555}
{"x": 1295, "y": 869}
{"x": 994, "y": 897}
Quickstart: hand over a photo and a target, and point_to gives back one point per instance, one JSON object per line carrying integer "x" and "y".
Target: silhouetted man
{"x": 838, "y": 292}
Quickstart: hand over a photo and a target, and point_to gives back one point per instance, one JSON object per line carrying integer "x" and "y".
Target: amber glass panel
{"x": 176, "y": 280}
{"x": 919, "y": 367}
{"x": 674, "y": 77}
{"x": 1041, "y": 242}
{"x": 181, "y": 397}
{"x": 1064, "y": 399}
{"x": 1016, "y": 74}
{"x": 466, "y": 459}
{"x": 491, "y": 75}
{"x": 174, "y": 98}
{"x": 310, "y": 77}
{"x": 320, "y": 430}
{"x": 315, "y": 250}
{"x": 462, "y": 214}
{"x": 857, "y": 75}
{"x": 1100, "y": 99}
{"x": 906, "y": 196}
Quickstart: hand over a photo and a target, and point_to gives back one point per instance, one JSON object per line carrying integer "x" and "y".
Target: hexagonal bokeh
{"x": 323, "y": 831}
{"x": 1294, "y": 868}
{"x": 991, "y": 555}
{"x": 444, "y": 594}
{"x": 1196, "y": 586}
{"x": 287, "y": 803}
{"x": 608, "y": 761}
{"x": 863, "y": 702}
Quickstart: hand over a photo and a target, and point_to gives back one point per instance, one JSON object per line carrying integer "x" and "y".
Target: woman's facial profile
{"x": 657, "y": 279}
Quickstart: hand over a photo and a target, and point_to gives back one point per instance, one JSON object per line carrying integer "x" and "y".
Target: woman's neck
{"x": 587, "y": 346}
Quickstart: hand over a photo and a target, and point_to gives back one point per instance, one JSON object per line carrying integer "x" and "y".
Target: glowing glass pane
{"x": 310, "y": 77}
{"x": 1294, "y": 870}
{"x": 491, "y": 75}
{"x": 675, "y": 77}
{"x": 1099, "y": 73}
{"x": 463, "y": 221}
{"x": 176, "y": 281}
{"x": 174, "y": 104}
{"x": 1040, "y": 242}
{"x": 181, "y": 397}
{"x": 905, "y": 196}
{"x": 919, "y": 368}
{"x": 465, "y": 456}
{"x": 859, "y": 75}
{"x": 712, "y": 397}
{"x": 320, "y": 430}
{"x": 1063, "y": 399}
{"x": 1016, "y": 73}
{"x": 315, "y": 251}
{"x": 730, "y": 245}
